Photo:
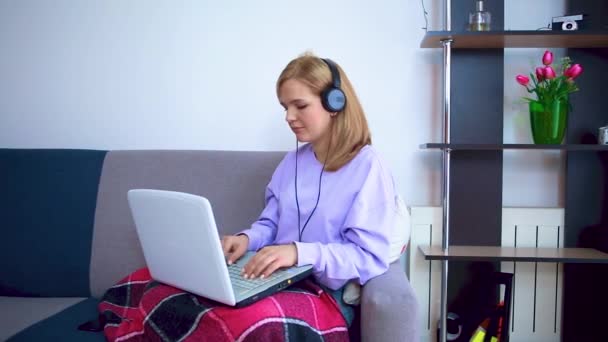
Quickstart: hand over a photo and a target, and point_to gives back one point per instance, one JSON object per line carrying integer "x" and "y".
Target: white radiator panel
{"x": 537, "y": 290}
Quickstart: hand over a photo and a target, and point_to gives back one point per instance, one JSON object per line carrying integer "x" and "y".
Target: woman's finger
{"x": 226, "y": 245}
{"x": 239, "y": 250}
{"x": 263, "y": 264}
{"x": 276, "y": 264}
{"x": 254, "y": 262}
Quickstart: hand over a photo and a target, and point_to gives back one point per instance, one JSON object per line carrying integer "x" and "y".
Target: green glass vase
{"x": 548, "y": 120}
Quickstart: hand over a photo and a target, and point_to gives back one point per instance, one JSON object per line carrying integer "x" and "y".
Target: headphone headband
{"x": 335, "y": 74}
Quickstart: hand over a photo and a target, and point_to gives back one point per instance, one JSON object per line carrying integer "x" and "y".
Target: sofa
{"x": 68, "y": 235}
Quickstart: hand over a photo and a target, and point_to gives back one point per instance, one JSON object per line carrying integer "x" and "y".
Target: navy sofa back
{"x": 47, "y": 213}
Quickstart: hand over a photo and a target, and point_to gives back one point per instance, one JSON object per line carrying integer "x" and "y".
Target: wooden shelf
{"x": 522, "y": 254}
{"x": 517, "y": 39}
{"x": 496, "y": 147}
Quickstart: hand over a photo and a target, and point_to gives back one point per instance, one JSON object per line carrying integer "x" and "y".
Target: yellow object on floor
{"x": 479, "y": 335}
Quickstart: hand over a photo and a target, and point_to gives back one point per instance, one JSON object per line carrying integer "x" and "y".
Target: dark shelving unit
{"x": 472, "y": 155}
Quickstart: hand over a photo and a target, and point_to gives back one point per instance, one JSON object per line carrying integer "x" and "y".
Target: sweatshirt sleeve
{"x": 264, "y": 230}
{"x": 363, "y": 253}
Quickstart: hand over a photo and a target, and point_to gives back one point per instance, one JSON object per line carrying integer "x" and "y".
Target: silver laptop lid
{"x": 180, "y": 242}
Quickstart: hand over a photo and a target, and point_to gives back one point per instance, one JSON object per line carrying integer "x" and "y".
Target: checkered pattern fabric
{"x": 141, "y": 309}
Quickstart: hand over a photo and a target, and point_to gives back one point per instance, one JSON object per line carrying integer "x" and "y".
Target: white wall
{"x": 200, "y": 75}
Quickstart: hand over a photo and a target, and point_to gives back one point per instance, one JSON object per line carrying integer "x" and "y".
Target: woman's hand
{"x": 269, "y": 259}
{"x": 234, "y": 247}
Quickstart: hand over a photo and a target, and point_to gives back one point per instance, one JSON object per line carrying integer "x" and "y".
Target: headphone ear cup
{"x": 333, "y": 99}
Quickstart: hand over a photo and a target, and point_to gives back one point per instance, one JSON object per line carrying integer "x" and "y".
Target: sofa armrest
{"x": 389, "y": 309}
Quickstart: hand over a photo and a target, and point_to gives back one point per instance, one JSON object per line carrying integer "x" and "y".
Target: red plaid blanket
{"x": 141, "y": 309}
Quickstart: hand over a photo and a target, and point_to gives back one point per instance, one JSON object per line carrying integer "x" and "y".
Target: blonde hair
{"x": 349, "y": 129}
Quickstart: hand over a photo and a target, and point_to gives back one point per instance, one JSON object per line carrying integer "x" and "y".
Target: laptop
{"x": 182, "y": 248}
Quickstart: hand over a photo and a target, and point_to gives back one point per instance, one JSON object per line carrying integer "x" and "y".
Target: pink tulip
{"x": 548, "y": 57}
{"x": 573, "y": 71}
{"x": 549, "y": 73}
{"x": 540, "y": 74}
{"x": 523, "y": 80}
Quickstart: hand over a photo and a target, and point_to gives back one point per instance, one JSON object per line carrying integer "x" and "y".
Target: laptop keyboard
{"x": 237, "y": 279}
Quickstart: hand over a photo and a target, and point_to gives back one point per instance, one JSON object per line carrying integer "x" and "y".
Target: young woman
{"x": 331, "y": 202}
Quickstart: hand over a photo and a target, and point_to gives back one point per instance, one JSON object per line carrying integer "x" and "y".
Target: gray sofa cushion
{"x": 47, "y": 209}
{"x": 63, "y": 326}
{"x": 389, "y": 309}
{"x": 233, "y": 181}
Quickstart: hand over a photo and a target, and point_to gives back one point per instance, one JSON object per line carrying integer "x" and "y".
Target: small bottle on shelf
{"x": 480, "y": 20}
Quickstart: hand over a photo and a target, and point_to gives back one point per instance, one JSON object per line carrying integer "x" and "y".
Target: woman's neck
{"x": 320, "y": 150}
{"x": 321, "y": 147}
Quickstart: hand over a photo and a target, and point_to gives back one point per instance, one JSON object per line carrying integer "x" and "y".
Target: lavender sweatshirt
{"x": 347, "y": 237}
